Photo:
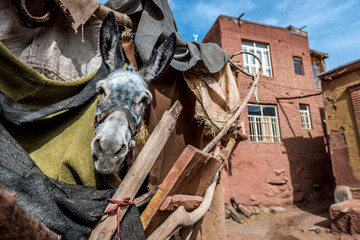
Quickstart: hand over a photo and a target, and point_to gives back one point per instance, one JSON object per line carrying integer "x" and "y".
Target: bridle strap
{"x": 105, "y": 114}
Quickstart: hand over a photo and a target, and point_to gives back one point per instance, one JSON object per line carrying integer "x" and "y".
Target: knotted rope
{"x": 115, "y": 208}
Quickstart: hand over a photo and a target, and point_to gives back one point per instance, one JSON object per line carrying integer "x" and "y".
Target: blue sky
{"x": 333, "y": 26}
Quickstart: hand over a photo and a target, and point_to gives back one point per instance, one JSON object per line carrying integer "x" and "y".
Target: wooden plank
{"x": 192, "y": 174}
{"x": 189, "y": 202}
{"x": 131, "y": 183}
{"x": 180, "y": 217}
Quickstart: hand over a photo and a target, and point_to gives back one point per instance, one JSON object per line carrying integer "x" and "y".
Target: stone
{"x": 265, "y": 210}
{"x": 345, "y": 217}
{"x": 255, "y": 210}
{"x": 342, "y": 193}
{"x": 286, "y": 195}
{"x": 279, "y": 172}
{"x": 278, "y": 181}
{"x": 277, "y": 209}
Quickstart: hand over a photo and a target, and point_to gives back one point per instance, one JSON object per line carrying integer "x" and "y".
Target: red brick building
{"x": 284, "y": 159}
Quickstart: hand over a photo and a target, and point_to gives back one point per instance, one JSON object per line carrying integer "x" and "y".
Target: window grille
{"x": 263, "y": 123}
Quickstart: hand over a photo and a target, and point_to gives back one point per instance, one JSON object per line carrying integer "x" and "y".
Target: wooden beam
{"x": 183, "y": 218}
{"x": 189, "y": 202}
{"x": 191, "y": 174}
{"x": 131, "y": 183}
{"x": 122, "y": 19}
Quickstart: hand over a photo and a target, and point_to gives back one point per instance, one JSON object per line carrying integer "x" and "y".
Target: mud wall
{"x": 342, "y": 129}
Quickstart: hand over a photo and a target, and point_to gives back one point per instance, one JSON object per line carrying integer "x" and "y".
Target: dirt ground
{"x": 296, "y": 223}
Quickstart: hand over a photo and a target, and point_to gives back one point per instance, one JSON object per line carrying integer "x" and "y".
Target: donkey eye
{"x": 145, "y": 100}
{"x": 101, "y": 91}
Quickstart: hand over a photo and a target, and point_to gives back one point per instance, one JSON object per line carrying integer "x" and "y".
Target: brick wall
{"x": 298, "y": 166}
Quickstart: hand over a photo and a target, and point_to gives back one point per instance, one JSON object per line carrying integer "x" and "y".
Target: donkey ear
{"x": 110, "y": 44}
{"x": 160, "y": 61}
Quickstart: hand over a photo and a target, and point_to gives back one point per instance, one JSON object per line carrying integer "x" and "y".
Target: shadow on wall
{"x": 310, "y": 170}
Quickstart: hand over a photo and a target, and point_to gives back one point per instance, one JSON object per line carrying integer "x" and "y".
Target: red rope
{"x": 115, "y": 208}
{"x": 226, "y": 163}
{"x": 220, "y": 145}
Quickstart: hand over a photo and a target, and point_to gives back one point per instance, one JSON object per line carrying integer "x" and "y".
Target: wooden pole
{"x": 180, "y": 217}
{"x": 122, "y": 19}
{"x": 131, "y": 183}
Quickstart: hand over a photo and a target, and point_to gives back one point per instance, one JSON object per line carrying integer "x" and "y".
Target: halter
{"x": 105, "y": 114}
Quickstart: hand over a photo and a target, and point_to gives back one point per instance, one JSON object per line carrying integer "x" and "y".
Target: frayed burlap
{"x": 217, "y": 96}
{"x": 78, "y": 12}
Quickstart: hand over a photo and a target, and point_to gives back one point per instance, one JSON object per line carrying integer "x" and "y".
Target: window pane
{"x": 297, "y": 61}
{"x": 253, "y": 69}
{"x": 246, "y": 69}
{"x": 269, "y": 111}
{"x": 261, "y": 45}
{"x": 252, "y": 59}
{"x": 258, "y": 53}
{"x": 246, "y": 43}
{"x": 266, "y": 59}
{"x": 254, "y": 110}
{"x": 245, "y": 58}
{"x": 303, "y": 107}
{"x": 268, "y": 72}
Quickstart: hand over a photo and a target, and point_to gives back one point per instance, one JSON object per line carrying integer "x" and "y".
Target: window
{"x": 316, "y": 71}
{"x": 305, "y": 116}
{"x": 298, "y": 65}
{"x": 251, "y": 65}
{"x": 263, "y": 123}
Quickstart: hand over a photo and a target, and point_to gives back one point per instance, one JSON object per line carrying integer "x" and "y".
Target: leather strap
{"x": 105, "y": 114}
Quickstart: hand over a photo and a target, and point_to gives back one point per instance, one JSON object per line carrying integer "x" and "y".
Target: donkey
{"x": 123, "y": 98}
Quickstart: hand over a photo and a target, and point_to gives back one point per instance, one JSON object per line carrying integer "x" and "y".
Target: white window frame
{"x": 305, "y": 117}
{"x": 264, "y": 128}
{"x": 251, "y": 65}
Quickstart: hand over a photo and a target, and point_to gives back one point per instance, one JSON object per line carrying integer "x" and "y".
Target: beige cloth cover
{"x": 217, "y": 96}
{"x": 78, "y": 12}
{"x": 54, "y": 50}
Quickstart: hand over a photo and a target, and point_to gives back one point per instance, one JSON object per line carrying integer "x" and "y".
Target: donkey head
{"x": 123, "y": 97}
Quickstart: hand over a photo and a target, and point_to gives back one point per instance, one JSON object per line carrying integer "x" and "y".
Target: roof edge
{"x": 291, "y": 29}
{"x": 341, "y": 70}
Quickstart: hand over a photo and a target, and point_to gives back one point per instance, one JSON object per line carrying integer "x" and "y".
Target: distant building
{"x": 284, "y": 159}
{"x": 341, "y": 87}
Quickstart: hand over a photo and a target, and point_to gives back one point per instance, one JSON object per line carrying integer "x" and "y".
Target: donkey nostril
{"x": 95, "y": 158}
{"x": 98, "y": 145}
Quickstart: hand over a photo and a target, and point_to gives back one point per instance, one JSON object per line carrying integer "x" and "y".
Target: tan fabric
{"x": 78, "y": 12}
{"x": 217, "y": 96}
{"x": 54, "y": 51}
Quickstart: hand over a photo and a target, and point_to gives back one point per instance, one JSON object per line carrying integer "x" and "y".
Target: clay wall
{"x": 341, "y": 96}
